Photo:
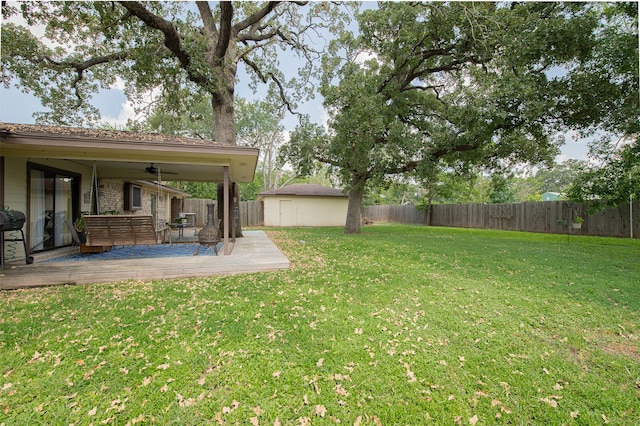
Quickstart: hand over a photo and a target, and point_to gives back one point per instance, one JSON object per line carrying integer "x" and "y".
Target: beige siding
{"x": 305, "y": 211}
{"x": 15, "y": 184}
{"x": 15, "y": 190}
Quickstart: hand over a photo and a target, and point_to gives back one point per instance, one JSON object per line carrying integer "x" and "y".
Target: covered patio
{"x": 81, "y": 159}
{"x": 126, "y": 156}
{"x": 254, "y": 252}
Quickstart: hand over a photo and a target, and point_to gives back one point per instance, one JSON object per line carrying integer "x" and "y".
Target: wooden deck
{"x": 254, "y": 252}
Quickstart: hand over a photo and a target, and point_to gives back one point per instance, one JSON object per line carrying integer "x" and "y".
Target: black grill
{"x": 12, "y": 220}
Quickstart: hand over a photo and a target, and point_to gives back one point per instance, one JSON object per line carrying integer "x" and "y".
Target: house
{"x": 54, "y": 173}
{"x": 304, "y": 204}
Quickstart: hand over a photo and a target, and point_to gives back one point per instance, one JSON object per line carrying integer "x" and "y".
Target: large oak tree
{"x": 445, "y": 86}
{"x": 157, "y": 46}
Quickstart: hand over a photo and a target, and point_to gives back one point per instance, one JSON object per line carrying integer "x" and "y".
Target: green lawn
{"x": 399, "y": 325}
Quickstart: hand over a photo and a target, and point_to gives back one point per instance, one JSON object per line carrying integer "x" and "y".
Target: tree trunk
{"x": 224, "y": 117}
{"x": 354, "y": 219}
{"x": 429, "y": 210}
{"x": 233, "y": 196}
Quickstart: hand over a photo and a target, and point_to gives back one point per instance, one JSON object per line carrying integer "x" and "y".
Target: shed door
{"x": 286, "y": 213}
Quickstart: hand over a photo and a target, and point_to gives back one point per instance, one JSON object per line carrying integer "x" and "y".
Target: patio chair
{"x": 75, "y": 244}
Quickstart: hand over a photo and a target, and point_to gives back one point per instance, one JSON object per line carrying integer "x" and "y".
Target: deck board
{"x": 254, "y": 252}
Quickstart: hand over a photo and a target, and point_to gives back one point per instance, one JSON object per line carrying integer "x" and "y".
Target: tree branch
{"x": 270, "y": 76}
{"x": 256, "y": 17}
{"x": 226, "y": 15}
{"x": 207, "y": 19}
{"x": 82, "y": 66}
{"x": 172, "y": 38}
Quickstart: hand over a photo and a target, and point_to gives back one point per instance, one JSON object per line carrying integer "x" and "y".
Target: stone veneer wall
{"x": 111, "y": 197}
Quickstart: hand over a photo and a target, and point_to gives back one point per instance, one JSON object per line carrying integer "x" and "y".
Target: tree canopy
{"x": 614, "y": 179}
{"x": 435, "y": 86}
{"x": 160, "y": 47}
{"x": 606, "y": 91}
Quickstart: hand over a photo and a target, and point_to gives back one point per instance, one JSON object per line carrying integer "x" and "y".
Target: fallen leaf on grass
{"x": 321, "y": 410}
{"x": 254, "y": 421}
{"x": 340, "y": 391}
{"x": 320, "y": 362}
{"x": 551, "y": 400}
{"x": 276, "y": 374}
{"x": 36, "y": 356}
{"x": 473, "y": 420}
{"x": 92, "y": 412}
{"x": 235, "y": 404}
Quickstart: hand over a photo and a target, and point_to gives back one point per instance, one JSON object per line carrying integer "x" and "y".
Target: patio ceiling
{"x": 126, "y": 155}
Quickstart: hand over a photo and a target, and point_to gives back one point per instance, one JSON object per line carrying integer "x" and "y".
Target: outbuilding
{"x": 304, "y": 204}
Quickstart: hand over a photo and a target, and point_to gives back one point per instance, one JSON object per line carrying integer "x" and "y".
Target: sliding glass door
{"x": 53, "y": 198}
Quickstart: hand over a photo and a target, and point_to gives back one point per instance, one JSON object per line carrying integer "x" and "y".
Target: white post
{"x": 225, "y": 200}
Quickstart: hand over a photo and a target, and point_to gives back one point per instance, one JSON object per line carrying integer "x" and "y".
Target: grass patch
{"x": 398, "y": 325}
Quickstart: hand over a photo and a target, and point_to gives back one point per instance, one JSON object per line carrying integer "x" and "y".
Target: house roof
{"x": 80, "y": 133}
{"x": 126, "y": 155}
{"x": 305, "y": 190}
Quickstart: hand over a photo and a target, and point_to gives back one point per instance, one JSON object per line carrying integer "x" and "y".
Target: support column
{"x": 225, "y": 200}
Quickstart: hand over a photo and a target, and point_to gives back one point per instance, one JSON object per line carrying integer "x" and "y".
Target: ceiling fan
{"x": 152, "y": 170}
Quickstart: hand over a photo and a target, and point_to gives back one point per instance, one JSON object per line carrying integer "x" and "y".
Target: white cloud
{"x": 127, "y": 111}
{"x": 133, "y": 110}
{"x": 364, "y": 56}
{"x": 119, "y": 84}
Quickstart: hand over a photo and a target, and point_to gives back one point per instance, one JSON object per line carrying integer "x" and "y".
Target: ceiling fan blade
{"x": 152, "y": 170}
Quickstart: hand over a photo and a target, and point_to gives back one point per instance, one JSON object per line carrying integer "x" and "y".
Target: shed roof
{"x": 305, "y": 190}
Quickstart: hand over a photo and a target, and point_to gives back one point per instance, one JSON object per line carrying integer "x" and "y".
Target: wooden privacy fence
{"x": 545, "y": 216}
{"x": 251, "y": 212}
